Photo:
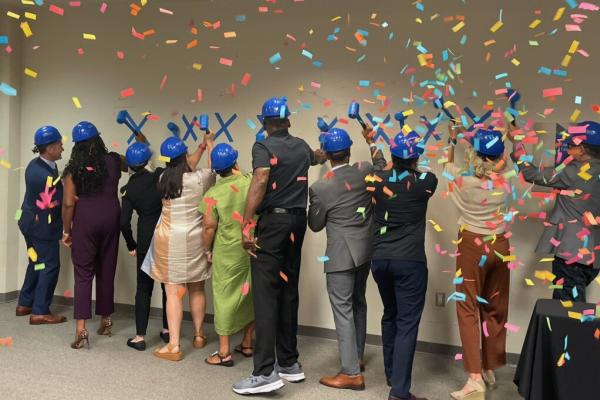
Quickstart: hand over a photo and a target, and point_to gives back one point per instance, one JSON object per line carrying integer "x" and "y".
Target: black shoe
{"x": 165, "y": 337}
{"x": 140, "y": 346}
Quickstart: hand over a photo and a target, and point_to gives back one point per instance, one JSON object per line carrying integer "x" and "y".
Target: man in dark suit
{"x": 41, "y": 226}
{"x": 340, "y": 201}
{"x": 571, "y": 232}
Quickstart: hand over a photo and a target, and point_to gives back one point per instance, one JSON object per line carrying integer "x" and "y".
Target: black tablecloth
{"x": 538, "y": 377}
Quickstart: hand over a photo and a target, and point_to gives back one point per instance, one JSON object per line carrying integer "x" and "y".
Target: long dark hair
{"x": 170, "y": 184}
{"x": 405, "y": 164}
{"x": 87, "y": 165}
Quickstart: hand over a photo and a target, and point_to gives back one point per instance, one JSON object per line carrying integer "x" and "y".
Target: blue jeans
{"x": 402, "y": 286}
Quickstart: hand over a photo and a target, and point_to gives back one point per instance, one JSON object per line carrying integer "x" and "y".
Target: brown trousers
{"x": 490, "y": 282}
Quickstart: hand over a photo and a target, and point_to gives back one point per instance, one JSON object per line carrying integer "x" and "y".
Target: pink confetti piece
{"x": 246, "y": 79}
{"x": 57, "y": 10}
{"x": 103, "y": 8}
{"x": 136, "y": 34}
{"x": 588, "y": 6}
{"x": 301, "y": 178}
{"x": 127, "y": 93}
{"x": 163, "y": 82}
{"x": 583, "y": 53}
{"x": 552, "y": 92}
{"x": 120, "y": 55}
{"x": 80, "y": 51}
{"x": 245, "y": 288}
{"x": 9, "y": 49}
{"x": 512, "y": 328}
{"x": 572, "y": 28}
{"x": 165, "y": 11}
{"x": 263, "y": 9}
{"x": 68, "y": 294}
{"x": 484, "y": 327}
{"x": 226, "y": 61}
{"x": 74, "y": 4}
{"x": 458, "y": 357}
{"x": 315, "y": 85}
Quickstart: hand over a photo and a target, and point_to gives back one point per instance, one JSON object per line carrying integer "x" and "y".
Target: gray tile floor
{"x": 41, "y": 365}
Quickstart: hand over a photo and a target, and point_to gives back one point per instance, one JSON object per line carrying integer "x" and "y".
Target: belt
{"x": 277, "y": 210}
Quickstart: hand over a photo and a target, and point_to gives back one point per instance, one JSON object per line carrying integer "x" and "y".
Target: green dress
{"x": 231, "y": 279}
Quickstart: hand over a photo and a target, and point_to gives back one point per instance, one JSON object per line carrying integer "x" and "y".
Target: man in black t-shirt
{"x": 278, "y": 193}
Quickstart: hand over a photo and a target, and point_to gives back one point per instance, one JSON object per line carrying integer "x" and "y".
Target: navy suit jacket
{"x": 45, "y": 224}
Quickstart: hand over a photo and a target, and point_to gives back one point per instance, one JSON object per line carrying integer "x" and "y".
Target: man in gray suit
{"x": 572, "y": 231}
{"x": 340, "y": 202}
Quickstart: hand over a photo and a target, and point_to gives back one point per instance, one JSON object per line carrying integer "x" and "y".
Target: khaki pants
{"x": 491, "y": 282}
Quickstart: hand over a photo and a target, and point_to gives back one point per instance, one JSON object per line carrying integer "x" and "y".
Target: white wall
{"x": 98, "y": 76}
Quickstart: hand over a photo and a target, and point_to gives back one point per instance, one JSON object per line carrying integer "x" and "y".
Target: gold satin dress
{"x": 176, "y": 255}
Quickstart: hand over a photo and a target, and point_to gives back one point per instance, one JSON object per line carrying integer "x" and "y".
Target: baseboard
{"x": 10, "y": 296}
{"x": 312, "y": 331}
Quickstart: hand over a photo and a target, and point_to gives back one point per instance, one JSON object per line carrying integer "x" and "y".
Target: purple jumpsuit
{"x": 95, "y": 236}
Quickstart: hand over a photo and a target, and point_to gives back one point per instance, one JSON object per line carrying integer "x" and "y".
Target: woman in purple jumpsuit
{"x": 91, "y": 214}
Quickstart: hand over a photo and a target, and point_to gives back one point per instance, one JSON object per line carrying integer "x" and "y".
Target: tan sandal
{"x": 478, "y": 392}
{"x": 169, "y": 355}
{"x": 199, "y": 341}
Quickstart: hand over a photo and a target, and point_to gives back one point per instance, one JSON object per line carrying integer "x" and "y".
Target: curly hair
{"x": 87, "y": 165}
{"x": 483, "y": 166}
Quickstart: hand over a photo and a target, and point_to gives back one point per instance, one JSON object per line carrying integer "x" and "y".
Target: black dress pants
{"x": 275, "y": 276}
{"x": 143, "y": 295}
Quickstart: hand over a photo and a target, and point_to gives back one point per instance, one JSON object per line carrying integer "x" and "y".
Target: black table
{"x": 538, "y": 376}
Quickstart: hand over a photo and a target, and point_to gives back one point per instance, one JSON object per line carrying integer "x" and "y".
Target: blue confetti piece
{"x": 391, "y": 36}
{"x": 502, "y": 75}
{"x": 394, "y": 177}
{"x": 482, "y": 300}
{"x": 566, "y": 342}
{"x": 364, "y": 83}
{"x": 7, "y": 89}
{"x": 575, "y": 292}
{"x": 423, "y": 175}
{"x": 448, "y": 176}
{"x": 318, "y": 64}
{"x": 571, "y": 3}
{"x": 331, "y": 38}
{"x": 275, "y": 58}
{"x": 363, "y": 32}
{"x": 492, "y": 142}
{"x": 559, "y": 72}
{"x": 483, "y": 260}
{"x": 307, "y": 54}
{"x": 456, "y": 296}
{"x": 402, "y": 175}
{"x": 240, "y": 18}
{"x": 422, "y": 49}
{"x": 322, "y": 259}
{"x": 463, "y": 40}
{"x": 545, "y": 71}
{"x": 361, "y": 58}
{"x": 577, "y": 99}
{"x": 420, "y": 6}
{"x": 3, "y": 39}
{"x": 458, "y": 281}
{"x": 39, "y": 2}
{"x": 445, "y": 55}
{"x": 250, "y": 124}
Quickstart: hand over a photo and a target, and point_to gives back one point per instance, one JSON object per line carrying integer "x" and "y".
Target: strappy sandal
{"x": 222, "y": 360}
{"x": 240, "y": 349}
{"x": 169, "y": 355}
{"x": 105, "y": 327}
{"x": 199, "y": 341}
{"x": 81, "y": 340}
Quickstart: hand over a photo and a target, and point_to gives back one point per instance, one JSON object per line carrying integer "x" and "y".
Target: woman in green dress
{"x": 223, "y": 207}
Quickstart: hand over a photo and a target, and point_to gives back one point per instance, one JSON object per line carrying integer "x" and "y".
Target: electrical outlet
{"x": 440, "y": 299}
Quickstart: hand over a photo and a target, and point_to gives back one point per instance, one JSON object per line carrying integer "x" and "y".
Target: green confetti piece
{"x": 39, "y": 267}
{"x": 548, "y": 322}
{"x": 18, "y": 214}
{"x": 383, "y": 230}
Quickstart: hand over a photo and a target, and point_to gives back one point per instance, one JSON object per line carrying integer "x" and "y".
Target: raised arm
{"x": 377, "y": 157}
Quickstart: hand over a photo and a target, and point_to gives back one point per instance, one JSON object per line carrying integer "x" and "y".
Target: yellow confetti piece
{"x": 566, "y": 60}
{"x": 31, "y": 73}
{"x": 575, "y": 315}
{"x": 26, "y": 29}
{"x": 49, "y": 181}
{"x": 458, "y": 273}
{"x": 535, "y": 23}
{"x": 458, "y": 26}
{"x": 197, "y": 66}
{"x": 545, "y": 275}
{"x": 597, "y": 280}
{"x": 546, "y": 259}
{"x": 39, "y": 267}
{"x": 164, "y": 159}
{"x": 559, "y": 13}
{"x": 32, "y": 254}
{"x": 529, "y": 282}
{"x": 229, "y": 35}
{"x": 436, "y": 226}
{"x": 5, "y": 164}
{"x": 171, "y": 41}
{"x": 575, "y": 115}
{"x": 13, "y": 15}
{"x": 89, "y": 36}
{"x": 336, "y": 18}
{"x": 516, "y": 62}
{"x": 418, "y": 20}
{"x": 574, "y": 47}
{"x": 496, "y": 26}
{"x": 76, "y": 102}
{"x": 30, "y": 16}
{"x": 567, "y": 304}
{"x": 143, "y": 2}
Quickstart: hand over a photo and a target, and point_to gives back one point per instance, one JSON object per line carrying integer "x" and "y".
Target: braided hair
{"x": 87, "y": 165}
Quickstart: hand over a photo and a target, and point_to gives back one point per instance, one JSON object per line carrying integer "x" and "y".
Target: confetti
{"x": 6, "y": 341}
{"x": 76, "y": 102}
{"x": 127, "y": 93}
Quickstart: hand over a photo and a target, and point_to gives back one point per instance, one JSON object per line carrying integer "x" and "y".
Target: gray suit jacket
{"x": 574, "y": 197}
{"x": 335, "y": 202}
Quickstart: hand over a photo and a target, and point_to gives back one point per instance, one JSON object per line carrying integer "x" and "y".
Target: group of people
{"x": 246, "y": 231}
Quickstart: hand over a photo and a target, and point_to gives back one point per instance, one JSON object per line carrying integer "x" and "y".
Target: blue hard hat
{"x": 407, "y": 146}
{"x": 275, "y": 107}
{"x": 592, "y": 134}
{"x": 223, "y": 156}
{"x": 45, "y": 135}
{"x": 138, "y": 154}
{"x": 336, "y": 140}
{"x": 172, "y": 147}
{"x": 488, "y": 142}
{"x": 83, "y": 131}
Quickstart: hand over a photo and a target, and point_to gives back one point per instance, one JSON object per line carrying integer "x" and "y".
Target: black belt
{"x": 277, "y": 210}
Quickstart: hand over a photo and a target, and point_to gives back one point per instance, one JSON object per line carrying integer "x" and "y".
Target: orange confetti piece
{"x": 283, "y": 276}
{"x": 292, "y": 237}
{"x": 273, "y": 161}
{"x": 7, "y": 341}
{"x": 387, "y": 191}
{"x": 192, "y": 44}
{"x": 246, "y": 79}
{"x": 234, "y": 188}
{"x": 181, "y": 292}
{"x": 127, "y": 92}
{"x": 68, "y": 294}
{"x": 226, "y": 61}
{"x": 597, "y": 334}
{"x": 163, "y": 82}
{"x": 245, "y": 288}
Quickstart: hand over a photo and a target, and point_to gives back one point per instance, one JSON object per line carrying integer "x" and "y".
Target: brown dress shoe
{"x": 46, "y": 319}
{"x": 343, "y": 381}
{"x": 21, "y": 311}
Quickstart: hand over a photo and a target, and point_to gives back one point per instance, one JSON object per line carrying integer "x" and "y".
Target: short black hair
{"x": 488, "y": 157}
{"x": 276, "y": 123}
{"x": 592, "y": 151}
{"x": 402, "y": 164}
{"x": 339, "y": 155}
{"x": 41, "y": 148}
{"x": 225, "y": 172}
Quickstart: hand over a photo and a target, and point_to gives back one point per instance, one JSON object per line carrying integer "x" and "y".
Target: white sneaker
{"x": 291, "y": 374}
{"x": 258, "y": 384}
